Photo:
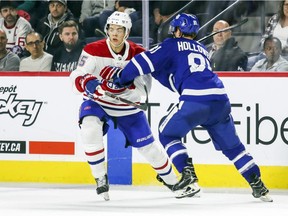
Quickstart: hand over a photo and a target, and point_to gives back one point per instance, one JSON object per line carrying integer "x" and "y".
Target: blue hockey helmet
{"x": 187, "y": 23}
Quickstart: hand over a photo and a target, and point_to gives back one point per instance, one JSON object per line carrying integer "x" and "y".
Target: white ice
{"x": 63, "y": 200}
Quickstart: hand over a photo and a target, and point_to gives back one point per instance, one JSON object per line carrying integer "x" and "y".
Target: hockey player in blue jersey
{"x": 181, "y": 64}
{"x": 96, "y": 111}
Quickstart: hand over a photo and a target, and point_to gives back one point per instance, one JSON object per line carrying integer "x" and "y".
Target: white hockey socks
{"x": 156, "y": 156}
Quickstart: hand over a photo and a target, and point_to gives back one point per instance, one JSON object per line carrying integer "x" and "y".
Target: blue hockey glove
{"x": 117, "y": 83}
{"x": 91, "y": 86}
{"x": 86, "y": 83}
{"x": 99, "y": 93}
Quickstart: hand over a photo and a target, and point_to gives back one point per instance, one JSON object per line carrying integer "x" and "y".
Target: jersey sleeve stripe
{"x": 171, "y": 82}
{"x": 201, "y": 92}
{"x": 148, "y": 61}
{"x": 138, "y": 66}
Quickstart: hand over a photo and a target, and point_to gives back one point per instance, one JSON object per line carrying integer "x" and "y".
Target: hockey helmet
{"x": 119, "y": 18}
{"x": 187, "y": 23}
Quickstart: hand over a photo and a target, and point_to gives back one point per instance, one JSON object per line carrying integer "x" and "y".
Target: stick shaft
{"x": 225, "y": 29}
{"x": 139, "y": 106}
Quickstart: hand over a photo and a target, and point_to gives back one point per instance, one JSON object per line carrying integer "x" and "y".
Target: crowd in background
{"x": 61, "y": 41}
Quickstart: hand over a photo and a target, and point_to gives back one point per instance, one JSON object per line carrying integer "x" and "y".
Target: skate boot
{"x": 259, "y": 190}
{"x": 188, "y": 175}
{"x": 192, "y": 190}
{"x": 102, "y": 185}
{"x": 188, "y": 181}
{"x": 187, "y": 186}
{"x": 188, "y": 191}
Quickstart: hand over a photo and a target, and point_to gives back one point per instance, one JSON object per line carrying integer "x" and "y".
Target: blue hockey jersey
{"x": 182, "y": 66}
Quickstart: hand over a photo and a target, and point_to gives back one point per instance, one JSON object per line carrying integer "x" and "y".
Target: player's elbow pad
{"x": 78, "y": 85}
{"x": 75, "y": 77}
{"x": 80, "y": 82}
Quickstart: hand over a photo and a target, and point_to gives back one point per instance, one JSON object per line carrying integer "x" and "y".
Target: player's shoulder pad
{"x": 97, "y": 48}
{"x": 136, "y": 47}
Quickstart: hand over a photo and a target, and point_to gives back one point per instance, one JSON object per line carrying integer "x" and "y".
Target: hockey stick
{"x": 225, "y": 29}
{"x": 139, "y": 106}
{"x": 100, "y": 32}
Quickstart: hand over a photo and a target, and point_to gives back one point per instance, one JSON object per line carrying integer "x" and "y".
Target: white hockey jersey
{"x": 99, "y": 54}
{"x": 16, "y": 34}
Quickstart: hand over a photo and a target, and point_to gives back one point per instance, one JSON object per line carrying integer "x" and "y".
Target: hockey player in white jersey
{"x": 16, "y": 27}
{"x": 181, "y": 64}
{"x": 97, "y": 108}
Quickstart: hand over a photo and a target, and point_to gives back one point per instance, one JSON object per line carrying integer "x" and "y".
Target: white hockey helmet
{"x": 119, "y": 18}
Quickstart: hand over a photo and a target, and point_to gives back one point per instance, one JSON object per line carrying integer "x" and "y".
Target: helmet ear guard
{"x": 187, "y": 24}
{"x": 121, "y": 19}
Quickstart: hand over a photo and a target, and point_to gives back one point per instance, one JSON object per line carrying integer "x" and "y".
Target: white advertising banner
{"x": 44, "y": 109}
{"x": 38, "y": 109}
{"x": 260, "y": 113}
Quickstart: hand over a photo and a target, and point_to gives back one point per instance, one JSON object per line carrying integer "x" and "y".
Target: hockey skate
{"x": 188, "y": 181}
{"x": 187, "y": 186}
{"x": 188, "y": 191}
{"x": 192, "y": 190}
{"x": 102, "y": 185}
{"x": 259, "y": 190}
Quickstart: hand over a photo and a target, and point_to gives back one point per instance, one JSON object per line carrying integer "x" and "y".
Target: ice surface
{"x": 63, "y": 200}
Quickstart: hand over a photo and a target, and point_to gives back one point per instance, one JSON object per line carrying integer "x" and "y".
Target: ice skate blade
{"x": 196, "y": 187}
{"x": 266, "y": 198}
{"x": 190, "y": 193}
{"x": 105, "y": 195}
{"x": 192, "y": 190}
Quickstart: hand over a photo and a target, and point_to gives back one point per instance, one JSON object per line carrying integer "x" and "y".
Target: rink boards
{"x": 40, "y": 141}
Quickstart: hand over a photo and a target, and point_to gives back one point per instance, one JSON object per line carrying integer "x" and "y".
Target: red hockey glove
{"x": 110, "y": 72}
{"x": 87, "y": 83}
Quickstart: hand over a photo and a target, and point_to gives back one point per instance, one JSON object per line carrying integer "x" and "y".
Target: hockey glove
{"x": 98, "y": 93}
{"x": 87, "y": 83}
{"x": 110, "y": 72}
{"x": 113, "y": 74}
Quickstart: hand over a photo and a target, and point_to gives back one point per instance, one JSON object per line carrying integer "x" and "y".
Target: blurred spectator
{"x": 134, "y": 9}
{"x": 94, "y": 26}
{"x": 36, "y": 10}
{"x": 90, "y": 9}
{"x": 277, "y": 26}
{"x": 38, "y": 60}
{"x": 234, "y": 12}
{"x": 224, "y": 52}
{"x": 48, "y": 26}
{"x": 131, "y": 7}
{"x": 273, "y": 60}
{"x": 24, "y": 8}
{"x": 90, "y": 15}
{"x": 16, "y": 27}
{"x": 237, "y": 10}
{"x": 9, "y": 61}
{"x": 67, "y": 55}
{"x": 158, "y": 20}
{"x": 75, "y": 7}
{"x": 163, "y": 11}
